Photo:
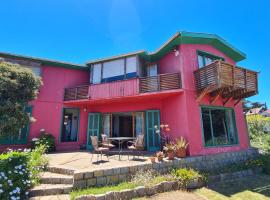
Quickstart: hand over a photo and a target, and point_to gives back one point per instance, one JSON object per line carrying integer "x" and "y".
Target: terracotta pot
{"x": 170, "y": 155}
{"x": 181, "y": 153}
{"x": 153, "y": 159}
{"x": 160, "y": 158}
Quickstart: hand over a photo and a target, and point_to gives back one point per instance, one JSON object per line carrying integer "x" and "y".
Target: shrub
{"x": 45, "y": 139}
{"x": 264, "y": 162}
{"x": 257, "y": 125}
{"x": 14, "y": 175}
{"x": 149, "y": 178}
{"x": 143, "y": 177}
{"x": 19, "y": 171}
{"x": 37, "y": 162}
{"x": 185, "y": 175}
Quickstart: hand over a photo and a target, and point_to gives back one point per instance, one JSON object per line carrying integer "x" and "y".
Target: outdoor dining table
{"x": 120, "y": 141}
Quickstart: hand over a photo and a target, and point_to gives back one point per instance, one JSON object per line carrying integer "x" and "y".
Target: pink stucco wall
{"x": 180, "y": 110}
{"x": 47, "y": 108}
{"x": 187, "y": 109}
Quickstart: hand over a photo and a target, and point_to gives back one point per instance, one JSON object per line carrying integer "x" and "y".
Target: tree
{"x": 18, "y": 86}
{"x": 247, "y": 105}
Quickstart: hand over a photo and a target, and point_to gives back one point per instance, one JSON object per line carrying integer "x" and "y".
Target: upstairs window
{"x": 205, "y": 58}
{"x": 113, "y": 70}
{"x": 96, "y": 73}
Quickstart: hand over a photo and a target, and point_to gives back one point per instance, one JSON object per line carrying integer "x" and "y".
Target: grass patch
{"x": 255, "y": 188}
{"x": 102, "y": 190}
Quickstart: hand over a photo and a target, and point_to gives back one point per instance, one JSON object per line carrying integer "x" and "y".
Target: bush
{"x": 14, "y": 175}
{"x": 264, "y": 162}
{"x": 185, "y": 175}
{"x": 149, "y": 178}
{"x": 45, "y": 139}
{"x": 19, "y": 171}
{"x": 37, "y": 162}
{"x": 257, "y": 125}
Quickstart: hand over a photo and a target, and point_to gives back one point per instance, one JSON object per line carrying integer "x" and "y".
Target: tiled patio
{"x": 81, "y": 160}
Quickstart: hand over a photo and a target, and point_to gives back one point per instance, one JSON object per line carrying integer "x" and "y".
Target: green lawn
{"x": 252, "y": 188}
{"x": 102, "y": 190}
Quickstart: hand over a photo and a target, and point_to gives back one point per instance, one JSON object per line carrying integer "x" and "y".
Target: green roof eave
{"x": 46, "y": 61}
{"x": 196, "y": 38}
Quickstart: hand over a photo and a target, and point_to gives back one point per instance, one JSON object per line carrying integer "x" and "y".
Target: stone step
{"x": 54, "y": 178}
{"x": 50, "y": 189}
{"x": 60, "y": 170}
{"x": 52, "y": 197}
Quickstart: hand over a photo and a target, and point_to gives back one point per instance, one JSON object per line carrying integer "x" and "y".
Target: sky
{"x": 81, "y": 30}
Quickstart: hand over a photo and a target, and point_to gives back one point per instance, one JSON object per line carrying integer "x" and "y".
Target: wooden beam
{"x": 214, "y": 99}
{"x": 202, "y": 94}
{"x": 237, "y": 102}
{"x": 227, "y": 100}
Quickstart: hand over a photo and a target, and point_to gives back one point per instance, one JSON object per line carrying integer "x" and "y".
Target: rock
{"x": 140, "y": 191}
{"x": 127, "y": 194}
{"x": 86, "y": 197}
{"x": 109, "y": 196}
{"x": 167, "y": 186}
{"x": 100, "y": 197}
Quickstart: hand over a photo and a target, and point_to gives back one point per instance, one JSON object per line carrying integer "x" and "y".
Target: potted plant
{"x": 153, "y": 159}
{"x": 181, "y": 147}
{"x": 160, "y": 156}
{"x": 170, "y": 150}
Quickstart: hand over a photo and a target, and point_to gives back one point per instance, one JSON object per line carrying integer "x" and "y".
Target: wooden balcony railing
{"x": 160, "y": 82}
{"x": 76, "y": 93}
{"x": 221, "y": 78}
{"x": 124, "y": 88}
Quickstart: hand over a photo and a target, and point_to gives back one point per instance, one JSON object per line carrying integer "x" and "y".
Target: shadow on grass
{"x": 256, "y": 184}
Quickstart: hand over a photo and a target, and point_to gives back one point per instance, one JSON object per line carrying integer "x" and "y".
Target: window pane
{"x": 152, "y": 70}
{"x": 208, "y": 60}
{"x": 139, "y": 123}
{"x": 131, "y": 64}
{"x": 35, "y": 70}
{"x": 206, "y": 127}
{"x": 220, "y": 131}
{"x": 107, "y": 124}
{"x": 96, "y": 73}
{"x": 232, "y": 135}
{"x": 200, "y": 61}
{"x": 113, "y": 68}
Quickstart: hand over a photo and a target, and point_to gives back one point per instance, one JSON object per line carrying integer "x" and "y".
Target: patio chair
{"x": 106, "y": 142}
{"x": 137, "y": 145}
{"x": 98, "y": 150}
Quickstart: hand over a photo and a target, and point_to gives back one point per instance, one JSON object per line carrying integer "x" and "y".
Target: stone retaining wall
{"x": 166, "y": 186}
{"x": 118, "y": 174}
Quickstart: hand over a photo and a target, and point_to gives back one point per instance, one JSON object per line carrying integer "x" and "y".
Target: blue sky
{"x": 81, "y": 30}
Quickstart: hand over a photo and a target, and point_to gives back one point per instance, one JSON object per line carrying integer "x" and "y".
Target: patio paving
{"x": 81, "y": 160}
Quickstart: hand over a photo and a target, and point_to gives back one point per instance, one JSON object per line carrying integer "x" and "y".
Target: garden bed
{"x": 184, "y": 179}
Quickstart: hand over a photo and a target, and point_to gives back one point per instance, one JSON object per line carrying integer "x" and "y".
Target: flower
{"x": 35, "y": 139}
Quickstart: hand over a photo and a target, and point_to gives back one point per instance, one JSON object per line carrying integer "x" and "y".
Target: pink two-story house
{"x": 191, "y": 83}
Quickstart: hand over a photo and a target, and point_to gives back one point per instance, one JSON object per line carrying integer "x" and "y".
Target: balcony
{"x": 228, "y": 81}
{"x": 124, "y": 88}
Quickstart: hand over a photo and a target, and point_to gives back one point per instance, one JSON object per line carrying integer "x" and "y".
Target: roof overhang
{"x": 43, "y": 61}
{"x": 184, "y": 37}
